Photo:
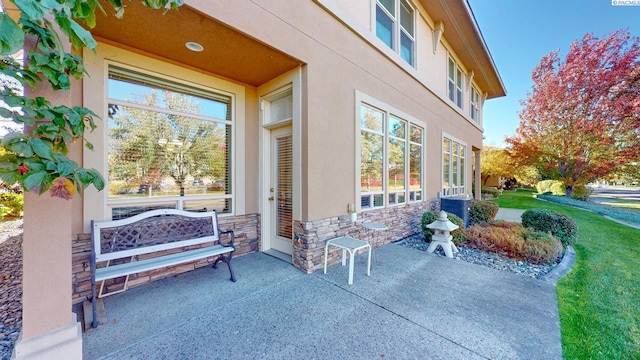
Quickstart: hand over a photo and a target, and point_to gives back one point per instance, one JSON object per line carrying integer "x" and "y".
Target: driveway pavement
{"x": 414, "y": 306}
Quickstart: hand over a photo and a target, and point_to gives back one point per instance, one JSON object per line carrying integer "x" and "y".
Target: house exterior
{"x": 282, "y": 118}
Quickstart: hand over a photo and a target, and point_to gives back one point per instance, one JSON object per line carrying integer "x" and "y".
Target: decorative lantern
{"x": 442, "y": 228}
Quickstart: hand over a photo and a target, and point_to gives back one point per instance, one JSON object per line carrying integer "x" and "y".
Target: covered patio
{"x": 415, "y": 305}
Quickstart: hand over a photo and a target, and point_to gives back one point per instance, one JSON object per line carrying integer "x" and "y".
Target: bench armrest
{"x": 232, "y": 237}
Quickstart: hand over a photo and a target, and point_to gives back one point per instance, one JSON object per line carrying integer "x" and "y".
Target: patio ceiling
{"x": 463, "y": 35}
{"x": 226, "y": 53}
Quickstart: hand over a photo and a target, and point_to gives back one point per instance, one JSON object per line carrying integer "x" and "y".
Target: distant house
{"x": 280, "y": 115}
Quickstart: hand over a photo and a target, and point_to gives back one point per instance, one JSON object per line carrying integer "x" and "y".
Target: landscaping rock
{"x": 484, "y": 258}
{"x": 10, "y": 285}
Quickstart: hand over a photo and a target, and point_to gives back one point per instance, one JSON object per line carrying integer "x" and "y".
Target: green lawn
{"x": 599, "y": 300}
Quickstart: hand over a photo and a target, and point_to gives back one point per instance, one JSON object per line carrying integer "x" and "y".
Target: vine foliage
{"x": 37, "y": 159}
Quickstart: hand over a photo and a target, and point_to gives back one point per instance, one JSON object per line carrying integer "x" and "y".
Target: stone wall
{"x": 311, "y": 236}
{"x": 247, "y": 240}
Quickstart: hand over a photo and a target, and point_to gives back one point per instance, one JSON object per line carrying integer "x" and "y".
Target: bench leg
{"x": 227, "y": 260}
{"x": 94, "y": 309}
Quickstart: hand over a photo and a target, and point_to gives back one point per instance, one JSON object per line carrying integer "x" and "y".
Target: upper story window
{"x": 391, "y": 156}
{"x": 454, "y": 85}
{"x": 475, "y": 105}
{"x": 395, "y": 27}
{"x": 169, "y": 145}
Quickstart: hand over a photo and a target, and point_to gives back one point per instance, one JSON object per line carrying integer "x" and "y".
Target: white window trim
{"x": 95, "y": 97}
{"x": 466, "y": 166}
{"x": 478, "y": 105}
{"x": 362, "y": 98}
{"x": 398, "y": 29}
{"x": 455, "y": 82}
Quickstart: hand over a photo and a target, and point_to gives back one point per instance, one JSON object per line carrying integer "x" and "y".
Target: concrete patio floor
{"x": 414, "y": 306}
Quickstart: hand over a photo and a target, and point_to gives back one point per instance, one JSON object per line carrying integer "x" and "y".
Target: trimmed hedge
{"x": 605, "y": 210}
{"x": 491, "y": 191}
{"x": 554, "y": 187}
{"x": 482, "y": 211}
{"x": 547, "y": 221}
{"x": 459, "y": 235}
{"x": 514, "y": 241}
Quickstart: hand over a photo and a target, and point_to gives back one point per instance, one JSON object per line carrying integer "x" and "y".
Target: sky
{"x": 519, "y": 33}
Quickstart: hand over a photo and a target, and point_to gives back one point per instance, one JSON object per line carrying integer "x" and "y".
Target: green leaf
{"x": 12, "y": 138}
{"x": 32, "y": 9}
{"x": 35, "y": 180}
{"x": 83, "y": 35}
{"x": 11, "y": 36}
{"x": 66, "y": 168}
{"x": 42, "y": 148}
{"x": 21, "y": 148}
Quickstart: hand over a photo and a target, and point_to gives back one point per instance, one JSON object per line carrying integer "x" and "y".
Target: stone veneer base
{"x": 311, "y": 236}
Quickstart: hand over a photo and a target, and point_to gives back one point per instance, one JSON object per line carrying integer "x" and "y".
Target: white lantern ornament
{"x": 442, "y": 228}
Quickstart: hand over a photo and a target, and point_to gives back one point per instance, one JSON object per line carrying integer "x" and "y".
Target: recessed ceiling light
{"x": 194, "y": 46}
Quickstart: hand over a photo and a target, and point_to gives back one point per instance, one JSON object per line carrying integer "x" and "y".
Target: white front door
{"x": 281, "y": 190}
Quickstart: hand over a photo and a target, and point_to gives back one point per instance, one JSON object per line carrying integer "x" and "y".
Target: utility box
{"x": 459, "y": 206}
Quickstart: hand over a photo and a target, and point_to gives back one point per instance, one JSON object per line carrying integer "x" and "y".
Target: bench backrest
{"x": 152, "y": 231}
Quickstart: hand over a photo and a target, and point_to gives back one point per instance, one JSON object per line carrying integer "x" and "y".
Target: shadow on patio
{"x": 416, "y": 305}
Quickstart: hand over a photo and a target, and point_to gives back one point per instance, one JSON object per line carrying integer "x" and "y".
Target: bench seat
{"x": 134, "y": 267}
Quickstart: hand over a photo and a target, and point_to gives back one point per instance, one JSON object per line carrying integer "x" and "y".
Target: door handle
{"x": 270, "y": 198}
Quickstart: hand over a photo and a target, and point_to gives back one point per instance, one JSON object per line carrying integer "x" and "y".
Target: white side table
{"x": 351, "y": 245}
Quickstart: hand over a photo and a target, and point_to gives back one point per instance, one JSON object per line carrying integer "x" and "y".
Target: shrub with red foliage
{"x": 514, "y": 241}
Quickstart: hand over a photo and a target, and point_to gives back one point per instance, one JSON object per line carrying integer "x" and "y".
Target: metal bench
{"x": 128, "y": 246}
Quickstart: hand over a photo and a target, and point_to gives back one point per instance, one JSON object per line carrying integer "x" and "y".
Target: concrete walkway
{"x": 514, "y": 215}
{"x": 415, "y": 306}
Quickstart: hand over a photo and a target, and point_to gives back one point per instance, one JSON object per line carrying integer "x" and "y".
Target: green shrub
{"x": 15, "y": 202}
{"x": 482, "y": 211}
{"x": 553, "y": 186}
{"x": 514, "y": 241}
{"x": 547, "y": 221}
{"x": 490, "y": 192}
{"x": 581, "y": 192}
{"x": 431, "y": 216}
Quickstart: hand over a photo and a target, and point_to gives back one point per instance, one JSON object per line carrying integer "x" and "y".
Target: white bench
{"x": 128, "y": 246}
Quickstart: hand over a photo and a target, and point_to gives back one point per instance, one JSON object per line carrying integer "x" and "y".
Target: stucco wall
{"x": 339, "y": 63}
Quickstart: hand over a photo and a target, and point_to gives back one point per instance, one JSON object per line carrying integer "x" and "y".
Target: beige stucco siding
{"x": 339, "y": 63}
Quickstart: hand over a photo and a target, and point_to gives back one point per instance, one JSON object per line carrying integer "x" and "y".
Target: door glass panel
{"x": 284, "y": 186}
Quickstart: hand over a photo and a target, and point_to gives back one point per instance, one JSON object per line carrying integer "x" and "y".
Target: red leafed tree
{"x": 582, "y": 118}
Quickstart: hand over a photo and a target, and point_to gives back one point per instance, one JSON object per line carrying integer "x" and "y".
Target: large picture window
{"x": 391, "y": 154}
{"x": 395, "y": 27}
{"x": 453, "y": 168}
{"x": 169, "y": 145}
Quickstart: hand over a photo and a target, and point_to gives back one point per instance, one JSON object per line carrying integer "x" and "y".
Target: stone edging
{"x": 565, "y": 266}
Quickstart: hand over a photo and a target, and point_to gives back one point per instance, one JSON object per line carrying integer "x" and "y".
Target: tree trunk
{"x": 568, "y": 190}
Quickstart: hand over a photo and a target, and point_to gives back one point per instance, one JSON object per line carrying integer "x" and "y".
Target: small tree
{"x": 495, "y": 162}
{"x": 37, "y": 160}
{"x": 582, "y": 119}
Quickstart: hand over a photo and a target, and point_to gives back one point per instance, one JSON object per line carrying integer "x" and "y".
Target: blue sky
{"x": 520, "y": 32}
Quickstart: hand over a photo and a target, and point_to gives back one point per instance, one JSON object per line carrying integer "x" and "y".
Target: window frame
{"x": 410, "y": 195}
{"x": 474, "y": 105}
{"x": 455, "y": 94}
{"x": 95, "y": 96}
{"x": 461, "y": 156}
{"x": 139, "y": 76}
{"x": 398, "y": 29}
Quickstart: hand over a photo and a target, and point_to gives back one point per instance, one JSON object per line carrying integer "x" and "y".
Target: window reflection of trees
{"x": 156, "y": 153}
